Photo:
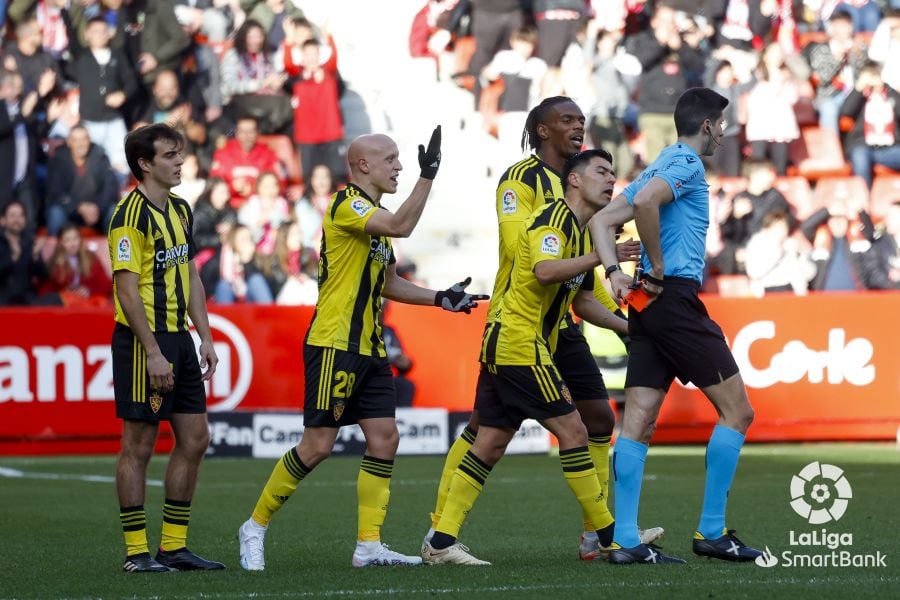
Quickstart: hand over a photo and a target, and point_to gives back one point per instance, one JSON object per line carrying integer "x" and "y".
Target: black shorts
{"x": 674, "y": 337}
{"x": 506, "y": 395}
{"x": 577, "y": 366}
{"x": 344, "y": 387}
{"x": 135, "y": 401}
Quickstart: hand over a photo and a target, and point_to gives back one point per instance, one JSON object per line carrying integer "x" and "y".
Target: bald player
{"x": 347, "y": 373}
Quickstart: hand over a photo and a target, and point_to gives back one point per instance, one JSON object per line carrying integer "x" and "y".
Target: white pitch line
{"x": 17, "y": 474}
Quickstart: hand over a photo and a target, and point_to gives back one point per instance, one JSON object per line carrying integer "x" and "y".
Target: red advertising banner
{"x": 823, "y": 367}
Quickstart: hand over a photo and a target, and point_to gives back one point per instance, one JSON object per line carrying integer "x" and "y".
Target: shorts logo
{"x": 360, "y": 206}
{"x": 338, "y": 410}
{"x": 566, "y": 394}
{"x": 550, "y": 245}
{"x": 155, "y": 401}
{"x": 123, "y": 250}
{"x": 510, "y": 203}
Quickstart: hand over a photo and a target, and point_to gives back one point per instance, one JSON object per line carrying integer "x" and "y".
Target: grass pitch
{"x": 61, "y": 536}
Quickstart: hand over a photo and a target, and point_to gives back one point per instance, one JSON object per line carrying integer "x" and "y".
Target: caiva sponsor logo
{"x": 841, "y": 361}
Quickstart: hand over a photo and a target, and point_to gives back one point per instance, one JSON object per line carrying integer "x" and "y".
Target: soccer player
{"x": 553, "y": 269}
{"x": 348, "y": 376}
{"x": 554, "y": 131}
{"x": 672, "y": 335}
{"x": 156, "y": 372}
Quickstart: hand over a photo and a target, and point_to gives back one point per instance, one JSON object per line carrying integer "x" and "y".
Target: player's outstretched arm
{"x": 402, "y": 223}
{"x": 646, "y": 217}
{"x": 603, "y": 227}
{"x": 455, "y": 298}
{"x": 586, "y": 306}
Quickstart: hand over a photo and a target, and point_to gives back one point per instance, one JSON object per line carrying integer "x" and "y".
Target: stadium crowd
{"x": 805, "y": 190}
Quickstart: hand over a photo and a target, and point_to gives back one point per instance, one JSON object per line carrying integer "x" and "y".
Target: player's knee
{"x": 385, "y": 444}
{"x": 573, "y": 435}
{"x": 744, "y": 418}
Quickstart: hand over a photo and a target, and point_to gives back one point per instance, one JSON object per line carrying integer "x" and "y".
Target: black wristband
{"x": 651, "y": 279}
{"x": 612, "y": 269}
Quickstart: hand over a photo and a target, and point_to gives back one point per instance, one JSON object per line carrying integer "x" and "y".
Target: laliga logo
{"x": 827, "y": 489}
{"x": 221, "y": 385}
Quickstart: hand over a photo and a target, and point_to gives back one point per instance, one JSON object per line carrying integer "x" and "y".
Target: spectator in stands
{"x": 885, "y": 48}
{"x": 81, "y": 185}
{"x": 401, "y": 363}
{"x": 310, "y": 209}
{"x": 318, "y": 124}
{"x": 242, "y": 159}
{"x": 611, "y": 99}
{"x": 293, "y": 268}
{"x": 738, "y": 22}
{"x": 251, "y": 86}
{"x": 771, "y": 121}
{"x": 493, "y": 21}
{"x": 837, "y": 246}
{"x": 881, "y": 264}
{"x": 240, "y": 278}
{"x": 213, "y": 215}
{"x": 775, "y": 262}
{"x": 734, "y": 216}
{"x": 864, "y": 14}
{"x": 153, "y": 38}
{"x": 21, "y": 267}
{"x": 557, "y": 23}
{"x": 874, "y": 108}
{"x": 168, "y": 105}
{"x": 665, "y": 60}
{"x": 192, "y": 183}
{"x": 834, "y": 65}
{"x": 76, "y": 276}
{"x": 429, "y": 34}
{"x": 106, "y": 82}
{"x": 30, "y": 59}
{"x": 18, "y": 147}
{"x": 264, "y": 212}
{"x": 211, "y": 18}
{"x": 762, "y": 196}
{"x": 297, "y": 31}
{"x": 727, "y": 159}
{"x": 50, "y": 21}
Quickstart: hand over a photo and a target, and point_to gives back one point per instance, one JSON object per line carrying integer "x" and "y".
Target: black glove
{"x": 455, "y": 298}
{"x": 430, "y": 160}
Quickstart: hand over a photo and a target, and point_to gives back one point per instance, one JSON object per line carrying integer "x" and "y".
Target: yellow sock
{"x": 288, "y": 472}
{"x": 454, "y": 457}
{"x": 176, "y": 514}
{"x": 134, "y": 526}
{"x": 373, "y": 490}
{"x": 598, "y": 447}
{"x": 578, "y": 469}
{"x": 466, "y": 485}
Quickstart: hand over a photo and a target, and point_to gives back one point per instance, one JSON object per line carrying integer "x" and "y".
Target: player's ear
{"x": 542, "y": 131}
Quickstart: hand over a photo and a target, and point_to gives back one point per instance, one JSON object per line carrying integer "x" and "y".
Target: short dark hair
{"x": 139, "y": 144}
{"x": 695, "y": 106}
{"x": 530, "y": 138}
{"x": 579, "y": 162}
{"x": 96, "y": 19}
{"x": 12, "y": 203}
{"x": 840, "y": 15}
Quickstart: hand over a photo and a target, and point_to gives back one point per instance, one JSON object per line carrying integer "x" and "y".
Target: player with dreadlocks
{"x": 554, "y": 132}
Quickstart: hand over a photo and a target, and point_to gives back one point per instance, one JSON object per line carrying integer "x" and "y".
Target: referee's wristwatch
{"x": 612, "y": 269}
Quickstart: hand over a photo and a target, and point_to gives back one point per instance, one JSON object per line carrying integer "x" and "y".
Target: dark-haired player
{"x": 672, "y": 334}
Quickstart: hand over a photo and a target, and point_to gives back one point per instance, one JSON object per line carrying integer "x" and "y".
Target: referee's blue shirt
{"x": 684, "y": 221}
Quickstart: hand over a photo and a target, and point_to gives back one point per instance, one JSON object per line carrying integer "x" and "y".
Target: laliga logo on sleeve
{"x": 820, "y": 493}
{"x": 550, "y": 245}
{"x": 510, "y": 202}
{"x": 124, "y": 250}
{"x": 360, "y": 206}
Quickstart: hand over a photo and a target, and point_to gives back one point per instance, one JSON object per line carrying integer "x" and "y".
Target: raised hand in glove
{"x": 455, "y": 298}
{"x": 430, "y": 159}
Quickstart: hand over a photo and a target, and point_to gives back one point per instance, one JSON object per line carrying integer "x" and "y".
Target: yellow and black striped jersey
{"x": 352, "y": 267}
{"x": 157, "y": 244}
{"x": 523, "y": 188}
{"x": 526, "y": 323}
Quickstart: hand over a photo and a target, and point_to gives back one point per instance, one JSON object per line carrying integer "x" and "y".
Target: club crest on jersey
{"x": 338, "y": 410}
{"x": 123, "y": 250}
{"x": 550, "y": 245}
{"x": 360, "y": 206}
{"x": 155, "y": 401}
{"x": 510, "y": 203}
{"x": 566, "y": 394}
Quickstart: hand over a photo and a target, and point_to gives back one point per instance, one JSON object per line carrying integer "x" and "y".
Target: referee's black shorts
{"x": 135, "y": 400}
{"x": 577, "y": 366}
{"x": 674, "y": 337}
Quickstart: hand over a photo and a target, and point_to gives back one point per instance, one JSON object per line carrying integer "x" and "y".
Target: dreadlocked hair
{"x": 530, "y": 138}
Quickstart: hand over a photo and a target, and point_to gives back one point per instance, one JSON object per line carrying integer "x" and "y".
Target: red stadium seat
{"x": 284, "y": 149}
{"x": 797, "y": 192}
{"x": 817, "y": 153}
{"x": 832, "y": 188}
{"x": 885, "y": 191}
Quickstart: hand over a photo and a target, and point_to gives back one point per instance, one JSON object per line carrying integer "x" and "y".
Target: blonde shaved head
{"x": 374, "y": 163}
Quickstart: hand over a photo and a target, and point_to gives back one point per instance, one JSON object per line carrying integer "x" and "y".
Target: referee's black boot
{"x": 642, "y": 554}
{"x": 143, "y": 563}
{"x": 185, "y": 560}
{"x": 728, "y": 547}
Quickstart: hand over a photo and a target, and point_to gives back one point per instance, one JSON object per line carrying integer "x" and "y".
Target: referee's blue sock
{"x": 722, "y": 455}
{"x": 628, "y": 470}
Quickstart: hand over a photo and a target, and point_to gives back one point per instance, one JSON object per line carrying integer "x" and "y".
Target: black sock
{"x": 606, "y": 535}
{"x": 439, "y": 540}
